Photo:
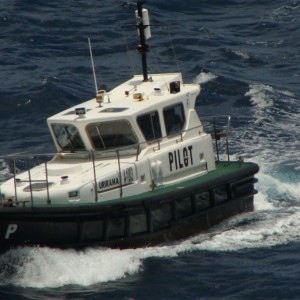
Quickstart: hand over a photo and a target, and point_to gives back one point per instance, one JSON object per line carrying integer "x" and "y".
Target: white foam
{"x": 243, "y": 55}
{"x": 204, "y": 77}
{"x": 264, "y": 232}
{"x": 260, "y": 95}
{"x": 261, "y": 202}
{"x": 44, "y": 267}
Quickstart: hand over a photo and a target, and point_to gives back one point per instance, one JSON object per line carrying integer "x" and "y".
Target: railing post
{"x": 15, "y": 184}
{"x": 216, "y": 138}
{"x": 95, "y": 178}
{"x": 158, "y": 146}
{"x": 120, "y": 174}
{"x": 30, "y": 182}
{"x": 47, "y": 183}
{"x": 227, "y": 143}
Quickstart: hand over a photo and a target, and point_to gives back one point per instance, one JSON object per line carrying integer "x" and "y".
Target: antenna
{"x": 142, "y": 17}
{"x": 93, "y": 66}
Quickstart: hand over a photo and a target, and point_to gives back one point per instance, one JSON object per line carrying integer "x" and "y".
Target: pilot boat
{"x": 133, "y": 167}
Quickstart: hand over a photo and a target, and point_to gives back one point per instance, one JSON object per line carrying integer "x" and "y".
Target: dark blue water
{"x": 246, "y": 55}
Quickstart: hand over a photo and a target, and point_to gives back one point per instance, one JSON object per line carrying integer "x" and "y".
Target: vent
{"x": 73, "y": 112}
{"x": 113, "y": 109}
{"x": 38, "y": 186}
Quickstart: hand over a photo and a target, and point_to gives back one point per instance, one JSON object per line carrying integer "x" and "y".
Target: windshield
{"x": 67, "y": 137}
{"x": 114, "y": 134}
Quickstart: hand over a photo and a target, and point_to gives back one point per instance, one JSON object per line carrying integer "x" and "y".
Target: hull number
{"x": 128, "y": 177}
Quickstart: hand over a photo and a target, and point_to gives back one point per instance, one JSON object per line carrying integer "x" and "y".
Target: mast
{"x": 142, "y": 47}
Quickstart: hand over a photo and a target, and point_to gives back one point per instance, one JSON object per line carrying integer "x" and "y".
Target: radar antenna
{"x": 93, "y": 66}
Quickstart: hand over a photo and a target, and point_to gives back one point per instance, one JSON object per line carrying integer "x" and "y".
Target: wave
{"x": 260, "y": 95}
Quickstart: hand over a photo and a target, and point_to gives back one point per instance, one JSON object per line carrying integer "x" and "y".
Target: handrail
{"x": 93, "y": 155}
{"x": 218, "y": 133}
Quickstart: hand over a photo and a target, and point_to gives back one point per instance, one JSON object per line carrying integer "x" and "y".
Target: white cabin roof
{"x": 124, "y": 100}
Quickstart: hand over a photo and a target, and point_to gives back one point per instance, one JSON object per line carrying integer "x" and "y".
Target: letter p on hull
{"x": 11, "y": 228}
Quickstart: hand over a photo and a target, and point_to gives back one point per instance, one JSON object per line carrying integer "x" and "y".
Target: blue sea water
{"x": 246, "y": 56}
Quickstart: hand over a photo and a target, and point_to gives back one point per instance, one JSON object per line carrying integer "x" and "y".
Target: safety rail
{"x": 217, "y": 126}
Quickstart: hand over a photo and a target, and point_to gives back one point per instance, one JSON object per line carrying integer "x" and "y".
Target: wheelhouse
{"x": 101, "y": 135}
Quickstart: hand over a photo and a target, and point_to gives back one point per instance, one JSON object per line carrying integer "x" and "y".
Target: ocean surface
{"x": 246, "y": 56}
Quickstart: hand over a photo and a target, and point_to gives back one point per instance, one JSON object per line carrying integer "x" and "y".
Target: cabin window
{"x": 68, "y": 137}
{"x": 112, "y": 134}
{"x": 150, "y": 126}
{"x": 174, "y": 118}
